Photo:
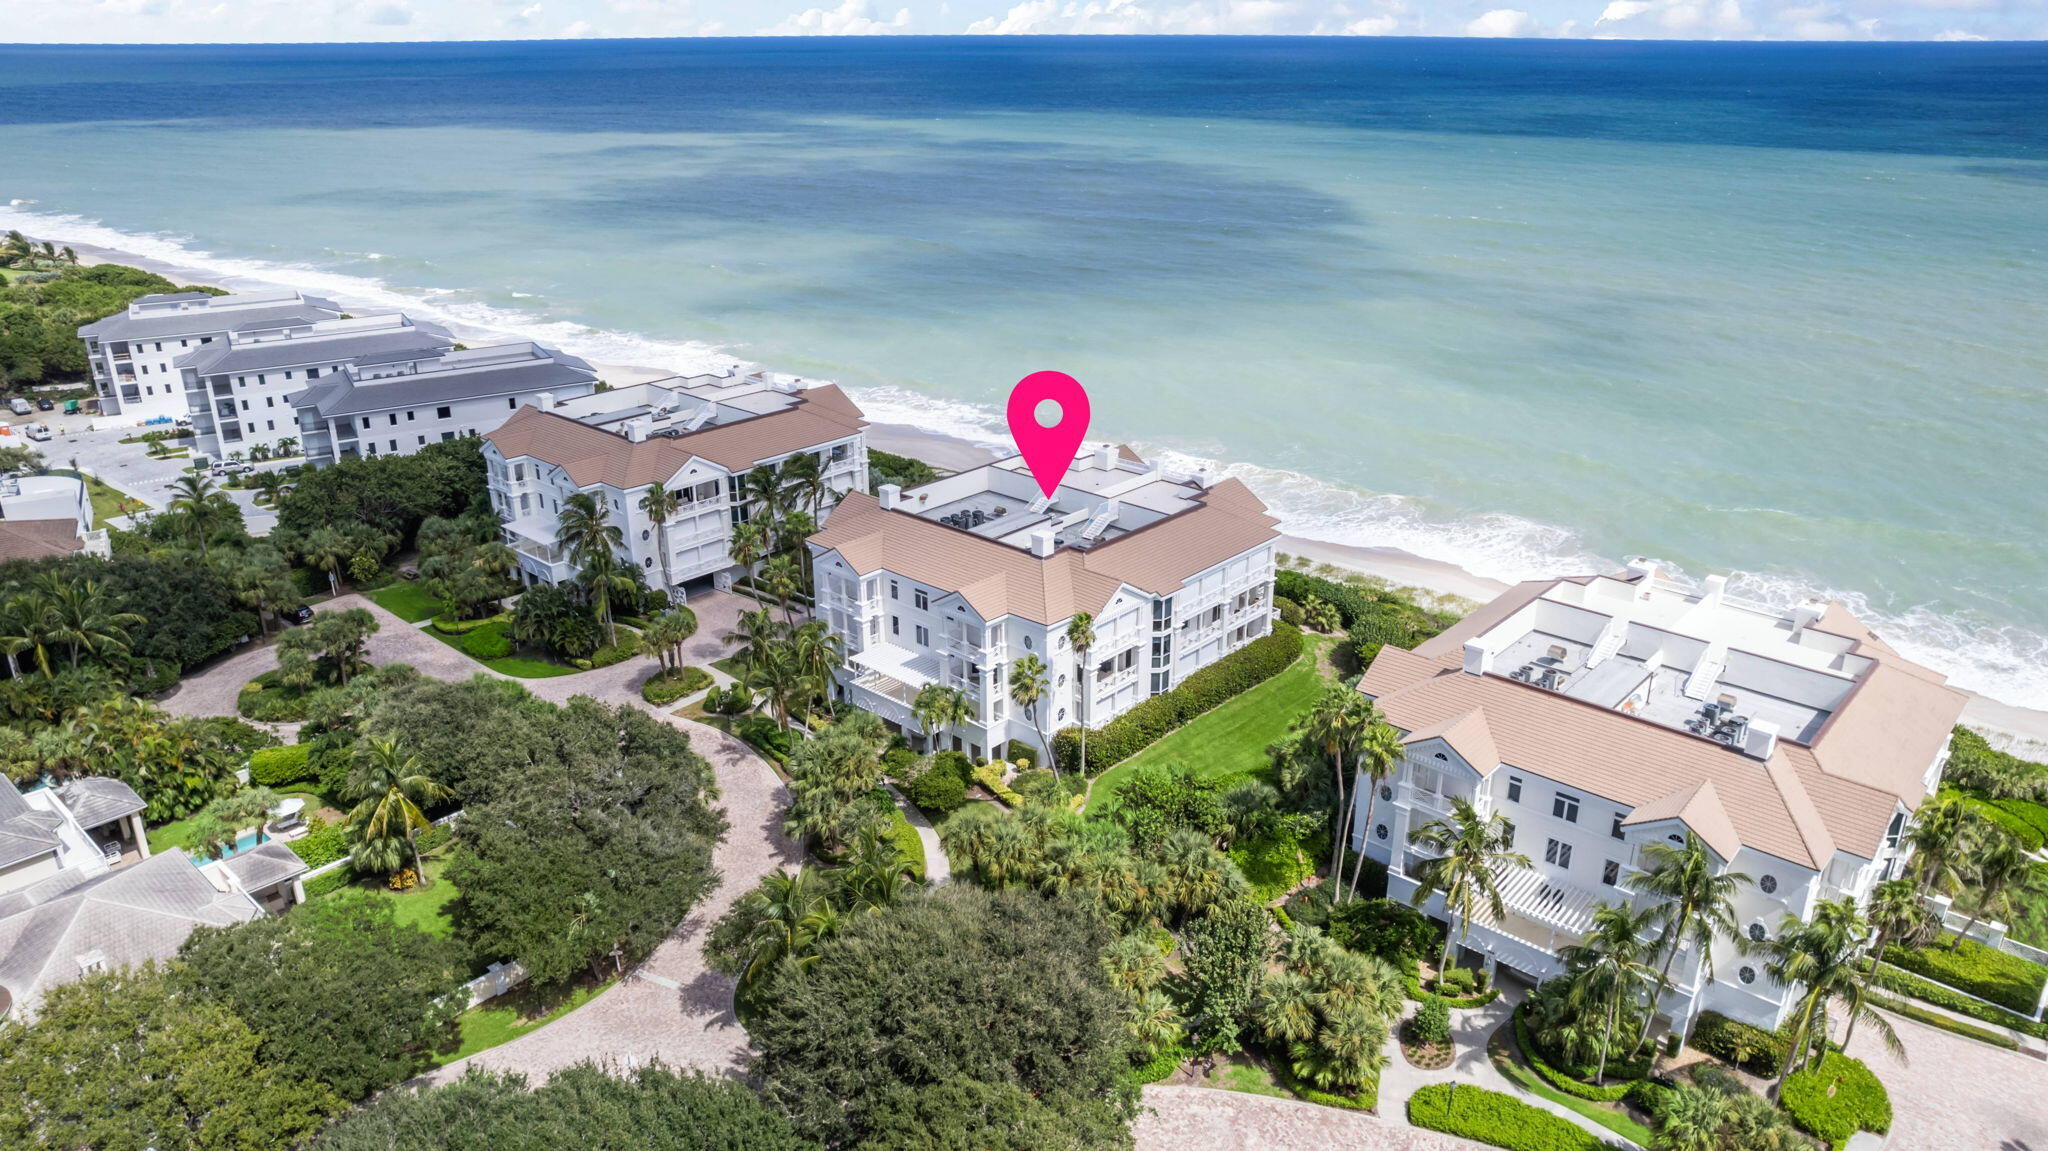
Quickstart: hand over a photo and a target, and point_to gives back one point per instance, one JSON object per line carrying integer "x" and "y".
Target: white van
{"x": 19, "y": 406}
{"x": 37, "y": 431}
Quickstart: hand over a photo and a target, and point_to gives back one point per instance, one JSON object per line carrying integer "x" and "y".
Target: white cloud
{"x": 1680, "y": 19}
{"x": 1957, "y": 34}
{"x": 851, "y": 18}
{"x": 1130, "y": 17}
{"x": 389, "y": 14}
{"x": 1505, "y": 22}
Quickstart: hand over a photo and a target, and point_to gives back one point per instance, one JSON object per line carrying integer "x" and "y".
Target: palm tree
{"x": 327, "y": 550}
{"x": 1335, "y": 724}
{"x": 1940, "y": 841}
{"x": 790, "y": 914}
{"x": 28, "y": 623}
{"x": 783, "y": 579}
{"x": 1898, "y": 914}
{"x": 763, "y": 486}
{"x": 263, "y": 583}
{"x": 584, "y": 530}
{"x": 776, "y": 674}
{"x": 1379, "y": 749}
{"x": 661, "y": 505}
{"x": 665, "y": 635}
{"x": 1997, "y": 861}
{"x": 802, "y": 477}
{"x": 1470, "y": 850}
{"x": 1608, "y": 969}
{"x": 1028, "y": 688}
{"x": 876, "y": 875}
{"x": 1081, "y": 637}
{"x": 197, "y": 499}
{"x": 1819, "y": 961}
{"x": 84, "y": 616}
{"x": 1698, "y": 907}
{"x": 938, "y": 708}
{"x": 393, "y": 790}
{"x": 601, "y": 576}
{"x": 818, "y": 653}
{"x": 749, "y": 546}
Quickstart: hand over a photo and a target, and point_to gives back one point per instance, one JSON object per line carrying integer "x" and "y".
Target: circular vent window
{"x": 1386, "y": 792}
{"x": 1756, "y": 932}
{"x": 1769, "y": 884}
{"x": 1380, "y": 831}
{"x": 1747, "y": 975}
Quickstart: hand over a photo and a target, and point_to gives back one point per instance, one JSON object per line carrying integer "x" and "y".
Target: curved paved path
{"x": 937, "y": 868}
{"x": 1212, "y": 1119}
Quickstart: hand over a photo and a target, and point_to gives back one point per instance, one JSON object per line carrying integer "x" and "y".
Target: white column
{"x": 141, "y": 834}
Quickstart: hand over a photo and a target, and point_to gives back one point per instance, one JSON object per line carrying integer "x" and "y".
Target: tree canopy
{"x": 386, "y": 495}
{"x": 40, "y": 316}
{"x": 957, "y": 1018}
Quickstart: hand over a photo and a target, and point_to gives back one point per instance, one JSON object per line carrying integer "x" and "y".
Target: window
{"x": 1027, "y": 643}
{"x": 270, "y": 401}
{"x": 519, "y": 473}
{"x": 1757, "y": 933}
{"x": 1514, "y": 788}
{"x": 1769, "y": 884}
{"x": 1386, "y": 793}
{"x": 895, "y": 626}
{"x": 312, "y": 373}
{"x": 1380, "y": 831}
{"x": 446, "y": 436}
{"x": 895, "y": 591}
{"x": 1558, "y": 853}
{"x": 921, "y": 598}
{"x": 394, "y": 445}
{"x": 1610, "y": 874}
{"x": 1615, "y": 830}
{"x": 440, "y": 413}
{"x": 1747, "y": 975}
{"x": 1507, "y": 833}
{"x": 270, "y": 425}
{"x": 391, "y": 418}
{"x": 512, "y": 402}
{"x": 644, "y": 533}
{"x": 1565, "y": 807}
{"x": 422, "y": 441}
{"x": 924, "y": 636}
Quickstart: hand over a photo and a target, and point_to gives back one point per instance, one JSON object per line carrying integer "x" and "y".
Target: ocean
{"x": 1528, "y": 307}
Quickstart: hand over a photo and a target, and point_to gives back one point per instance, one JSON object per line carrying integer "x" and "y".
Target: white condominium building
{"x": 1602, "y": 714}
{"x": 396, "y": 406}
{"x": 696, "y": 436}
{"x": 954, "y": 581}
{"x": 134, "y": 352}
{"x": 239, "y": 390}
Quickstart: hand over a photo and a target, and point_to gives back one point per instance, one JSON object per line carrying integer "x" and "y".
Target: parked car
{"x": 227, "y": 469}
{"x": 299, "y": 615}
{"x": 182, "y": 421}
{"x": 44, "y": 403}
{"x": 37, "y": 431}
{"x": 19, "y": 406}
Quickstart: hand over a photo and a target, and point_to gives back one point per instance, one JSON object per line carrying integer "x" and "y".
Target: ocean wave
{"x": 2004, "y": 662}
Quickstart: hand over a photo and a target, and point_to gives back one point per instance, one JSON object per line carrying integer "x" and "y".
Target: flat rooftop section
{"x": 384, "y": 338}
{"x": 1107, "y": 493}
{"x": 173, "y": 314}
{"x": 678, "y": 405}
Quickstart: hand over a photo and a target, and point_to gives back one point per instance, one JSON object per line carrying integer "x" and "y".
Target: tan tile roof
{"x": 38, "y": 539}
{"x": 998, "y": 579}
{"x": 1698, "y": 807}
{"x": 1468, "y": 736}
{"x": 593, "y": 455}
{"x": 1801, "y": 804}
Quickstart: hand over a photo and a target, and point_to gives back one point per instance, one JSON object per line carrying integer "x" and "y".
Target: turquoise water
{"x": 242, "y": 843}
{"x": 1524, "y": 307}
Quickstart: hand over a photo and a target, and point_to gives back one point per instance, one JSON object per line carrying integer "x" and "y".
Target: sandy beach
{"x": 2021, "y": 730}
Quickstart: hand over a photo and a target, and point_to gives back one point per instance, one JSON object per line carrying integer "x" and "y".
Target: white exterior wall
{"x": 235, "y": 411}
{"x": 147, "y": 368}
{"x": 976, "y": 655}
{"x": 403, "y": 430}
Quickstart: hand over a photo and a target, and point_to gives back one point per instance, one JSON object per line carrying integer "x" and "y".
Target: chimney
{"x": 891, "y": 495}
{"x": 1041, "y": 543}
{"x": 1105, "y": 457}
{"x": 545, "y": 401}
{"x": 1761, "y": 739}
{"x": 1717, "y": 585}
{"x": 636, "y": 431}
{"x": 1478, "y": 660}
{"x": 1807, "y": 614}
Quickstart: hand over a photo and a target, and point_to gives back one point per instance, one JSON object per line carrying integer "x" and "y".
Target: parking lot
{"x": 93, "y": 445}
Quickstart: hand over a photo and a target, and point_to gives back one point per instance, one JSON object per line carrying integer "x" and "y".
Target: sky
{"x": 288, "y": 21}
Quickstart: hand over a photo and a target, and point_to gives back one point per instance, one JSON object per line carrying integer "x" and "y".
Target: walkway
{"x": 1212, "y": 1119}
{"x": 937, "y": 868}
{"x": 1957, "y": 1094}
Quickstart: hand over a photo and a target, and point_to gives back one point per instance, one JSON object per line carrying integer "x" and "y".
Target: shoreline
{"x": 2021, "y": 730}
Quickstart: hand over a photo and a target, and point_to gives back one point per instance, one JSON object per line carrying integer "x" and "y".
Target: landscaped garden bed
{"x": 1426, "y": 1037}
{"x": 666, "y": 687}
{"x": 1969, "y": 966}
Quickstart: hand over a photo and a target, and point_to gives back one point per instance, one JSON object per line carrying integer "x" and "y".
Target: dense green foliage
{"x": 957, "y": 1018}
{"x": 389, "y": 495}
{"x": 177, "y": 765}
{"x": 1388, "y": 928}
{"x": 479, "y": 735}
{"x": 1144, "y": 724}
{"x": 280, "y": 766}
{"x": 1751, "y": 1048}
{"x": 590, "y": 854}
{"x": 189, "y": 612}
{"x": 1941, "y": 995}
{"x": 1372, "y": 616}
{"x": 1837, "y": 1099}
{"x": 905, "y": 471}
{"x": 39, "y": 319}
{"x": 666, "y": 687}
{"x": 1491, "y": 1117}
{"x": 323, "y": 843}
{"x": 339, "y": 991}
{"x": 941, "y": 788}
{"x": 1974, "y": 765}
{"x": 1223, "y": 959}
{"x": 581, "y": 1107}
{"x": 1533, "y": 1054}
{"x": 125, "y": 1061}
{"x": 1985, "y": 972}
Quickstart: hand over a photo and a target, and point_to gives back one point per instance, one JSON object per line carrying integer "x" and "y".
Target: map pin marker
{"x": 1048, "y": 451}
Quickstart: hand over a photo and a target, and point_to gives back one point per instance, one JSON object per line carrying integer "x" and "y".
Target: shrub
{"x": 1912, "y": 1010}
{"x": 731, "y": 700}
{"x": 280, "y": 766}
{"x": 487, "y": 644}
{"x": 1432, "y": 1022}
{"x": 1273, "y": 863}
{"x": 626, "y": 648}
{"x": 957, "y": 763}
{"x": 1457, "y": 981}
{"x": 1753, "y": 1049}
{"x": 1022, "y": 754}
{"x": 1413, "y": 982}
{"x": 1649, "y": 1097}
{"x": 1037, "y": 785}
{"x": 1532, "y": 1054}
{"x": 670, "y": 686}
{"x": 898, "y": 762}
{"x": 322, "y": 844}
{"x": 1161, "y": 1065}
{"x": 1387, "y": 928}
{"x": 1984, "y": 972}
{"x": 1144, "y": 724}
{"x": 766, "y": 736}
{"x": 1310, "y": 907}
{"x": 1858, "y": 1103}
{"x": 449, "y": 625}
{"x": 990, "y": 776}
{"x": 1492, "y": 1117}
{"x": 329, "y": 883}
{"x": 1906, "y": 983}
{"x": 1289, "y": 611}
{"x": 937, "y": 791}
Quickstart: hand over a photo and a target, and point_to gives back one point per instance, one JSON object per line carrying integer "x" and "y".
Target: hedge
{"x": 626, "y": 647}
{"x": 670, "y": 686}
{"x": 1158, "y": 1067}
{"x": 1932, "y": 1018}
{"x": 1649, "y": 1097}
{"x": 1020, "y": 753}
{"x": 1153, "y": 717}
{"x": 267, "y": 700}
{"x": 764, "y": 735}
{"x": 1998, "y": 812}
{"x": 321, "y": 845}
{"x": 450, "y": 626}
{"x": 1907, "y": 983}
{"x": 280, "y": 766}
{"x": 990, "y": 776}
{"x": 1984, "y": 972}
{"x": 1568, "y": 1084}
{"x": 329, "y": 883}
{"x": 1496, "y": 1118}
{"x": 1859, "y": 1102}
{"x": 1724, "y": 1039}
{"x": 487, "y": 643}
{"x": 937, "y": 790}
{"x": 1411, "y": 975}
{"x": 1367, "y": 1098}
{"x": 1372, "y": 618}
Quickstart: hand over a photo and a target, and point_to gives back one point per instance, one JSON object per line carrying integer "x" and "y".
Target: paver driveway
{"x": 1211, "y": 1119}
{"x": 1956, "y": 1094}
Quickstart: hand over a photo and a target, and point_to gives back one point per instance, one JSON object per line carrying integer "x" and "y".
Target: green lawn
{"x": 905, "y": 835}
{"x": 423, "y": 907}
{"x": 731, "y": 666}
{"x": 176, "y": 833}
{"x": 408, "y": 601}
{"x": 1611, "y": 1118}
{"x": 517, "y": 666}
{"x": 504, "y": 1019}
{"x": 1238, "y": 1075}
{"x": 109, "y": 501}
{"x": 1229, "y": 742}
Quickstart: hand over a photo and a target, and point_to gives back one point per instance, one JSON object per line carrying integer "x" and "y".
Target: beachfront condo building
{"x": 696, "y": 436}
{"x": 1600, "y": 715}
{"x": 134, "y": 352}
{"x": 239, "y": 390}
{"x": 955, "y": 581}
{"x": 396, "y": 406}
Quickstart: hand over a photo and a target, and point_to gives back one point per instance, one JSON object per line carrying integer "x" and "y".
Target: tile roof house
{"x": 1600, "y": 715}
{"x": 952, "y": 581}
